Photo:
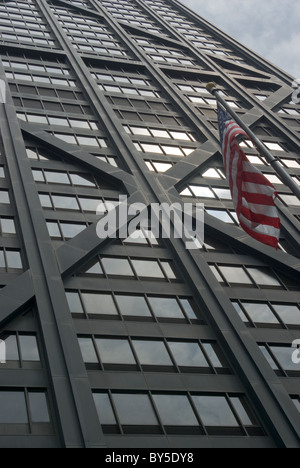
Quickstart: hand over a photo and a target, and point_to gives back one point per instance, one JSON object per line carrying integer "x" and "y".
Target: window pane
{"x": 165, "y": 307}
{"x": 53, "y": 229}
{"x": 94, "y": 269}
{"x": 90, "y": 204}
{"x": 167, "y": 266}
{"x": 284, "y": 357}
{"x": 188, "y": 354}
{"x": 268, "y": 357}
{"x": 13, "y": 407}
{"x": 235, "y": 275}
{"x": 99, "y": 304}
{"x": 115, "y": 351}
{"x": 57, "y": 177}
{"x": 186, "y": 303}
{"x": 147, "y": 268}
{"x": 264, "y": 277}
{"x": 74, "y": 302}
{"x": 134, "y": 409}
{"x": 175, "y": 410}
{"x": 104, "y": 409}
{"x": 11, "y": 347}
{"x": 211, "y": 351}
{"x": 13, "y": 259}
{"x": 87, "y": 350}
{"x": 260, "y": 313}
{"x": 65, "y": 203}
{"x": 152, "y": 353}
{"x": 38, "y": 407}
{"x": 243, "y": 413}
{"x": 71, "y": 230}
{"x": 29, "y": 348}
{"x": 202, "y": 192}
{"x": 290, "y": 314}
{"x": 8, "y": 226}
{"x": 215, "y": 411}
{"x": 117, "y": 266}
{"x": 133, "y": 305}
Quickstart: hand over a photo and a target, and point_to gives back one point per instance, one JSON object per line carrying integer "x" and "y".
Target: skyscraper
{"x": 139, "y": 342}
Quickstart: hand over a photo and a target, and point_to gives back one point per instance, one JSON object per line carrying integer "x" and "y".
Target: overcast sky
{"x": 270, "y": 28}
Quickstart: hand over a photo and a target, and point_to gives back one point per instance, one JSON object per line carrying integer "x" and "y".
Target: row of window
{"x": 132, "y": 268}
{"x": 64, "y": 178}
{"x": 132, "y": 14}
{"x": 175, "y": 413}
{"x": 20, "y": 349}
{"x": 29, "y": 38}
{"x": 159, "y": 133}
{"x": 268, "y": 314}
{"x": 57, "y": 121}
{"x": 40, "y": 155}
{"x": 23, "y": 407}
{"x": 153, "y": 355}
{"x": 34, "y": 78}
{"x": 76, "y": 203}
{"x": 163, "y": 149}
{"x": 82, "y": 140}
{"x": 261, "y": 277}
{"x": 126, "y": 306}
{"x": 55, "y": 69}
{"x": 130, "y": 91}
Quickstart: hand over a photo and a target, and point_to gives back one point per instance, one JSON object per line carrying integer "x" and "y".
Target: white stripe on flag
{"x": 260, "y": 189}
{"x": 261, "y": 228}
{"x": 270, "y": 211}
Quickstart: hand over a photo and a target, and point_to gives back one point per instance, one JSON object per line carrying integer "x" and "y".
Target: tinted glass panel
{"x": 13, "y": 407}
{"x": 135, "y": 410}
{"x": 175, "y": 410}
{"x": 38, "y": 407}
{"x": 215, "y": 411}
{"x": 133, "y": 305}
{"x": 104, "y": 409}
{"x": 152, "y": 353}
{"x": 115, "y": 351}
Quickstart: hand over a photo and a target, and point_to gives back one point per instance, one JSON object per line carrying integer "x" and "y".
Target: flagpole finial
{"x": 211, "y": 87}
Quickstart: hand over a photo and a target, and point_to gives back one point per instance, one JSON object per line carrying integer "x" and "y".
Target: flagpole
{"x": 273, "y": 161}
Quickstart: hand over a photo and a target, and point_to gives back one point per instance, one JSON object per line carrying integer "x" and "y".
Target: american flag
{"x": 252, "y": 193}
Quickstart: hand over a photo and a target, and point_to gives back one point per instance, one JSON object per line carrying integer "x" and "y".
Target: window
{"x": 135, "y": 306}
{"x": 152, "y": 353}
{"x": 280, "y": 359}
{"x": 7, "y": 226}
{"x": 99, "y": 304}
{"x": 4, "y": 197}
{"x": 20, "y": 349}
{"x": 10, "y": 259}
{"x": 117, "y": 267}
{"x": 179, "y": 413}
{"x": 115, "y": 351}
{"x": 175, "y": 410}
{"x": 15, "y": 407}
{"x": 235, "y": 275}
{"x": 259, "y": 314}
{"x": 215, "y": 411}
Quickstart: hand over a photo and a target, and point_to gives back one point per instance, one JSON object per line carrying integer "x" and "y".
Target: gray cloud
{"x": 269, "y": 28}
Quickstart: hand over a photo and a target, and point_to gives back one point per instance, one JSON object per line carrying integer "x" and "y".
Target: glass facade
{"x": 139, "y": 341}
